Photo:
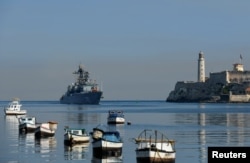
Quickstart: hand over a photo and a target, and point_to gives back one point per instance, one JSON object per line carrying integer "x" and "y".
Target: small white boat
{"x": 27, "y": 124}
{"x": 75, "y": 135}
{"x": 154, "y": 146}
{"x": 105, "y": 142}
{"x": 116, "y": 117}
{"x": 14, "y": 108}
{"x": 46, "y": 129}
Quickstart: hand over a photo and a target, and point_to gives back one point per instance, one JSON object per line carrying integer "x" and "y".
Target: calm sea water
{"x": 194, "y": 127}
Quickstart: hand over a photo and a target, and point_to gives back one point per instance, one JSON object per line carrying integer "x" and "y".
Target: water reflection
{"x": 107, "y": 160}
{"x": 12, "y": 122}
{"x": 215, "y": 129}
{"x": 170, "y": 161}
{"x": 26, "y": 143}
{"x": 45, "y": 146}
{"x": 76, "y": 114}
{"x": 76, "y": 151}
{"x": 107, "y": 156}
{"x": 12, "y": 130}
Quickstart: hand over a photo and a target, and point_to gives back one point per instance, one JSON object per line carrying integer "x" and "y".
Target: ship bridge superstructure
{"x": 83, "y": 91}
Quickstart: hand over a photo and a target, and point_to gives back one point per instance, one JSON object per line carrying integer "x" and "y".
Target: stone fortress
{"x": 225, "y": 86}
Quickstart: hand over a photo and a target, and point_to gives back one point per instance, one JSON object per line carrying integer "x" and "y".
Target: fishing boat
{"x": 47, "y": 129}
{"x": 154, "y": 147}
{"x": 106, "y": 143}
{"x": 116, "y": 117}
{"x": 14, "y": 108}
{"x": 27, "y": 124}
{"x": 75, "y": 135}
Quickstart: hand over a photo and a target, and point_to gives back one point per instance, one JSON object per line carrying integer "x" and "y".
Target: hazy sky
{"x": 137, "y": 49}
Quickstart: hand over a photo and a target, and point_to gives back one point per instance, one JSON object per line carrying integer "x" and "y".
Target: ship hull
{"x": 92, "y": 98}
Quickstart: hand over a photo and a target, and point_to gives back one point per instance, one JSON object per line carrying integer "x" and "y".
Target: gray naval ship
{"x": 83, "y": 91}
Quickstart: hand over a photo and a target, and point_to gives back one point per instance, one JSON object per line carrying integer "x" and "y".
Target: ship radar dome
{"x": 81, "y": 66}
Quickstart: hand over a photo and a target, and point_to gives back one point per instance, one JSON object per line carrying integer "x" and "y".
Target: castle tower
{"x": 201, "y": 67}
{"x": 239, "y": 66}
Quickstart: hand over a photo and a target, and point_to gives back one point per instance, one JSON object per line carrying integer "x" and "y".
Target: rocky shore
{"x": 209, "y": 92}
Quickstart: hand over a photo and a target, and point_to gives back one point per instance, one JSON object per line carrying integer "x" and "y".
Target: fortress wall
{"x": 239, "y": 98}
{"x": 218, "y": 77}
{"x": 189, "y": 91}
{"x": 238, "y": 77}
{"x": 229, "y": 77}
{"x": 188, "y": 85}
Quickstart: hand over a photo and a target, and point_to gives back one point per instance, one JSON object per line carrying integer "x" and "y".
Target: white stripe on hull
{"x": 27, "y": 127}
{"x": 107, "y": 144}
{"x": 156, "y": 156}
{"x": 44, "y": 132}
{"x": 116, "y": 120}
{"x": 70, "y": 138}
{"x": 12, "y": 112}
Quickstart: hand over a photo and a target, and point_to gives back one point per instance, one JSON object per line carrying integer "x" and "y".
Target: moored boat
{"x": 75, "y": 135}
{"x": 116, "y": 117}
{"x": 154, "y": 147}
{"x": 106, "y": 143}
{"x": 14, "y": 108}
{"x": 47, "y": 129}
{"x": 27, "y": 124}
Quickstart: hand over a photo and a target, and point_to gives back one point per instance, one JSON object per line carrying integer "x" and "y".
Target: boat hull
{"x": 41, "y": 132}
{"x": 75, "y": 139}
{"x": 46, "y": 130}
{"x": 116, "y": 120}
{"x": 106, "y": 145}
{"x": 15, "y": 112}
{"x": 82, "y": 98}
{"x": 26, "y": 127}
{"x": 104, "y": 149}
{"x": 156, "y": 156}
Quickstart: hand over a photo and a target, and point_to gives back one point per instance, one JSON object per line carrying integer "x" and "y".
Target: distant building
{"x": 225, "y": 86}
{"x": 237, "y": 75}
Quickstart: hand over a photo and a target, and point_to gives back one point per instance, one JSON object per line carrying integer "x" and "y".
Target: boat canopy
{"x": 115, "y": 113}
{"x": 113, "y": 136}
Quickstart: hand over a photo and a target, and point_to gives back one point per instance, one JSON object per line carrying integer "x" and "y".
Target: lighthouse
{"x": 201, "y": 67}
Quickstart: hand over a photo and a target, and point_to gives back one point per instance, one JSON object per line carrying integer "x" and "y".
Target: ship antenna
{"x": 240, "y": 59}
{"x": 101, "y": 86}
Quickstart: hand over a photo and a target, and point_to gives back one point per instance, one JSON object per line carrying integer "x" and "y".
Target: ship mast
{"x": 82, "y": 76}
